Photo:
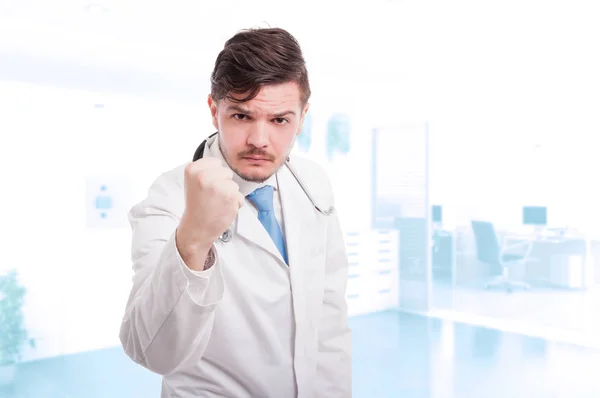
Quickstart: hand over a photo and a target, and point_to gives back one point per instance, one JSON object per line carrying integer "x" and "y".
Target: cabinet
{"x": 373, "y": 275}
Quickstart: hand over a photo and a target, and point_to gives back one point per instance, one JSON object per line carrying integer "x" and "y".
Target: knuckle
{"x": 189, "y": 169}
{"x": 199, "y": 176}
{"x": 202, "y": 178}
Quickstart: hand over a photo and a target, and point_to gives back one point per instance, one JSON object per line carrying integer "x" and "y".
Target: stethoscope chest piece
{"x": 226, "y": 237}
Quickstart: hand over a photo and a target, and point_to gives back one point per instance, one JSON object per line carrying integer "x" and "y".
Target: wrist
{"x": 195, "y": 254}
{"x": 190, "y": 240}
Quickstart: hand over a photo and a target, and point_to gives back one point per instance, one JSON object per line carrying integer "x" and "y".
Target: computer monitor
{"x": 535, "y": 215}
{"x": 436, "y": 214}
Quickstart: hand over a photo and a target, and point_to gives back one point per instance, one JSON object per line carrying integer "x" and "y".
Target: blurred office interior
{"x": 460, "y": 137}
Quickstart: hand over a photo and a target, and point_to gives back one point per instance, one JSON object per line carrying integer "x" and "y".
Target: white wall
{"x": 503, "y": 77}
{"x": 56, "y": 142}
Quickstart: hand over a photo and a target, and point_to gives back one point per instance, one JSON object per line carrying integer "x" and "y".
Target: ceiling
{"x": 70, "y": 42}
{"x": 126, "y": 30}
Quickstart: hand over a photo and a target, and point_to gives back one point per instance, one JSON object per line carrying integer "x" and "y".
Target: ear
{"x": 302, "y": 116}
{"x": 213, "y": 105}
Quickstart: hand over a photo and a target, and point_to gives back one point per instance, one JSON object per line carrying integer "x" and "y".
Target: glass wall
{"x": 513, "y": 161}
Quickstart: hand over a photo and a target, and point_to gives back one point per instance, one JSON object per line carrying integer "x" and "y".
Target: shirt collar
{"x": 246, "y": 187}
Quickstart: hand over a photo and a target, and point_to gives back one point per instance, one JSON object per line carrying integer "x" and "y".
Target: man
{"x": 239, "y": 285}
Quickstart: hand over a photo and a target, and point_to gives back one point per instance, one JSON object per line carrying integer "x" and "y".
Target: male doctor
{"x": 239, "y": 284}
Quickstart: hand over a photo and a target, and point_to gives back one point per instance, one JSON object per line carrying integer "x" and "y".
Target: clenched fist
{"x": 212, "y": 200}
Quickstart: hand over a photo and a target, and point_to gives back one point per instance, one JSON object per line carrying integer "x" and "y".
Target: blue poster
{"x": 338, "y": 135}
{"x": 108, "y": 200}
{"x": 304, "y": 139}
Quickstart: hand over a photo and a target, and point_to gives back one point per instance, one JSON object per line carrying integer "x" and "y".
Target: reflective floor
{"x": 572, "y": 311}
{"x": 395, "y": 355}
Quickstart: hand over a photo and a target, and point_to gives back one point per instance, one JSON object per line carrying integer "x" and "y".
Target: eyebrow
{"x": 246, "y": 111}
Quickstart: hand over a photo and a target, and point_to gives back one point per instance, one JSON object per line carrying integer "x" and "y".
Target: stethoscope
{"x": 227, "y": 234}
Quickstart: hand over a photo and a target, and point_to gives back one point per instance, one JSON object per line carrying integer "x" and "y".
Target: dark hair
{"x": 254, "y": 58}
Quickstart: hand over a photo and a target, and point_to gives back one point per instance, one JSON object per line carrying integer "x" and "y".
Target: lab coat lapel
{"x": 297, "y": 217}
{"x": 299, "y": 223}
{"x": 304, "y": 229}
{"x": 249, "y": 227}
{"x": 293, "y": 212}
{"x": 303, "y": 225}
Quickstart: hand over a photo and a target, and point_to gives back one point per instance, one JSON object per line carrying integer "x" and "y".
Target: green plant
{"x": 13, "y": 336}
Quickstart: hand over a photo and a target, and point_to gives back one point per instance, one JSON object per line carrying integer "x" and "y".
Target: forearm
{"x": 195, "y": 252}
{"x": 169, "y": 318}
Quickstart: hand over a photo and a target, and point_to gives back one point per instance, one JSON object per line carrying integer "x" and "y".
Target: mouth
{"x": 257, "y": 158}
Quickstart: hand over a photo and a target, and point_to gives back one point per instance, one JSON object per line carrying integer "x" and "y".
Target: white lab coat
{"x": 223, "y": 332}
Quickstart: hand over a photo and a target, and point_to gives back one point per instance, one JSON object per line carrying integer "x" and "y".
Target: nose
{"x": 258, "y": 136}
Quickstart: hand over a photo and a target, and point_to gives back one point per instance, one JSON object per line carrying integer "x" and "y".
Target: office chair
{"x": 489, "y": 252}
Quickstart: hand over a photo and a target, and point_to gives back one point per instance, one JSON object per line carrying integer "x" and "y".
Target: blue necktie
{"x": 263, "y": 200}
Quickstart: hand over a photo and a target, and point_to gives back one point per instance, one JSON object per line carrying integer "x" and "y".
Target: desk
{"x": 555, "y": 260}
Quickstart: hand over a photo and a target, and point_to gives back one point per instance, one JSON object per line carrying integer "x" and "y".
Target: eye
{"x": 240, "y": 116}
{"x": 280, "y": 120}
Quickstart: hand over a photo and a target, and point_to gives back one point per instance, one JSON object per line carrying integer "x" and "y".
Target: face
{"x": 257, "y": 136}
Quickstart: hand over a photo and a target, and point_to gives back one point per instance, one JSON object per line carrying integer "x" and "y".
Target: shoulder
{"x": 171, "y": 180}
{"x": 314, "y": 176}
{"x": 309, "y": 168}
{"x": 164, "y": 193}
